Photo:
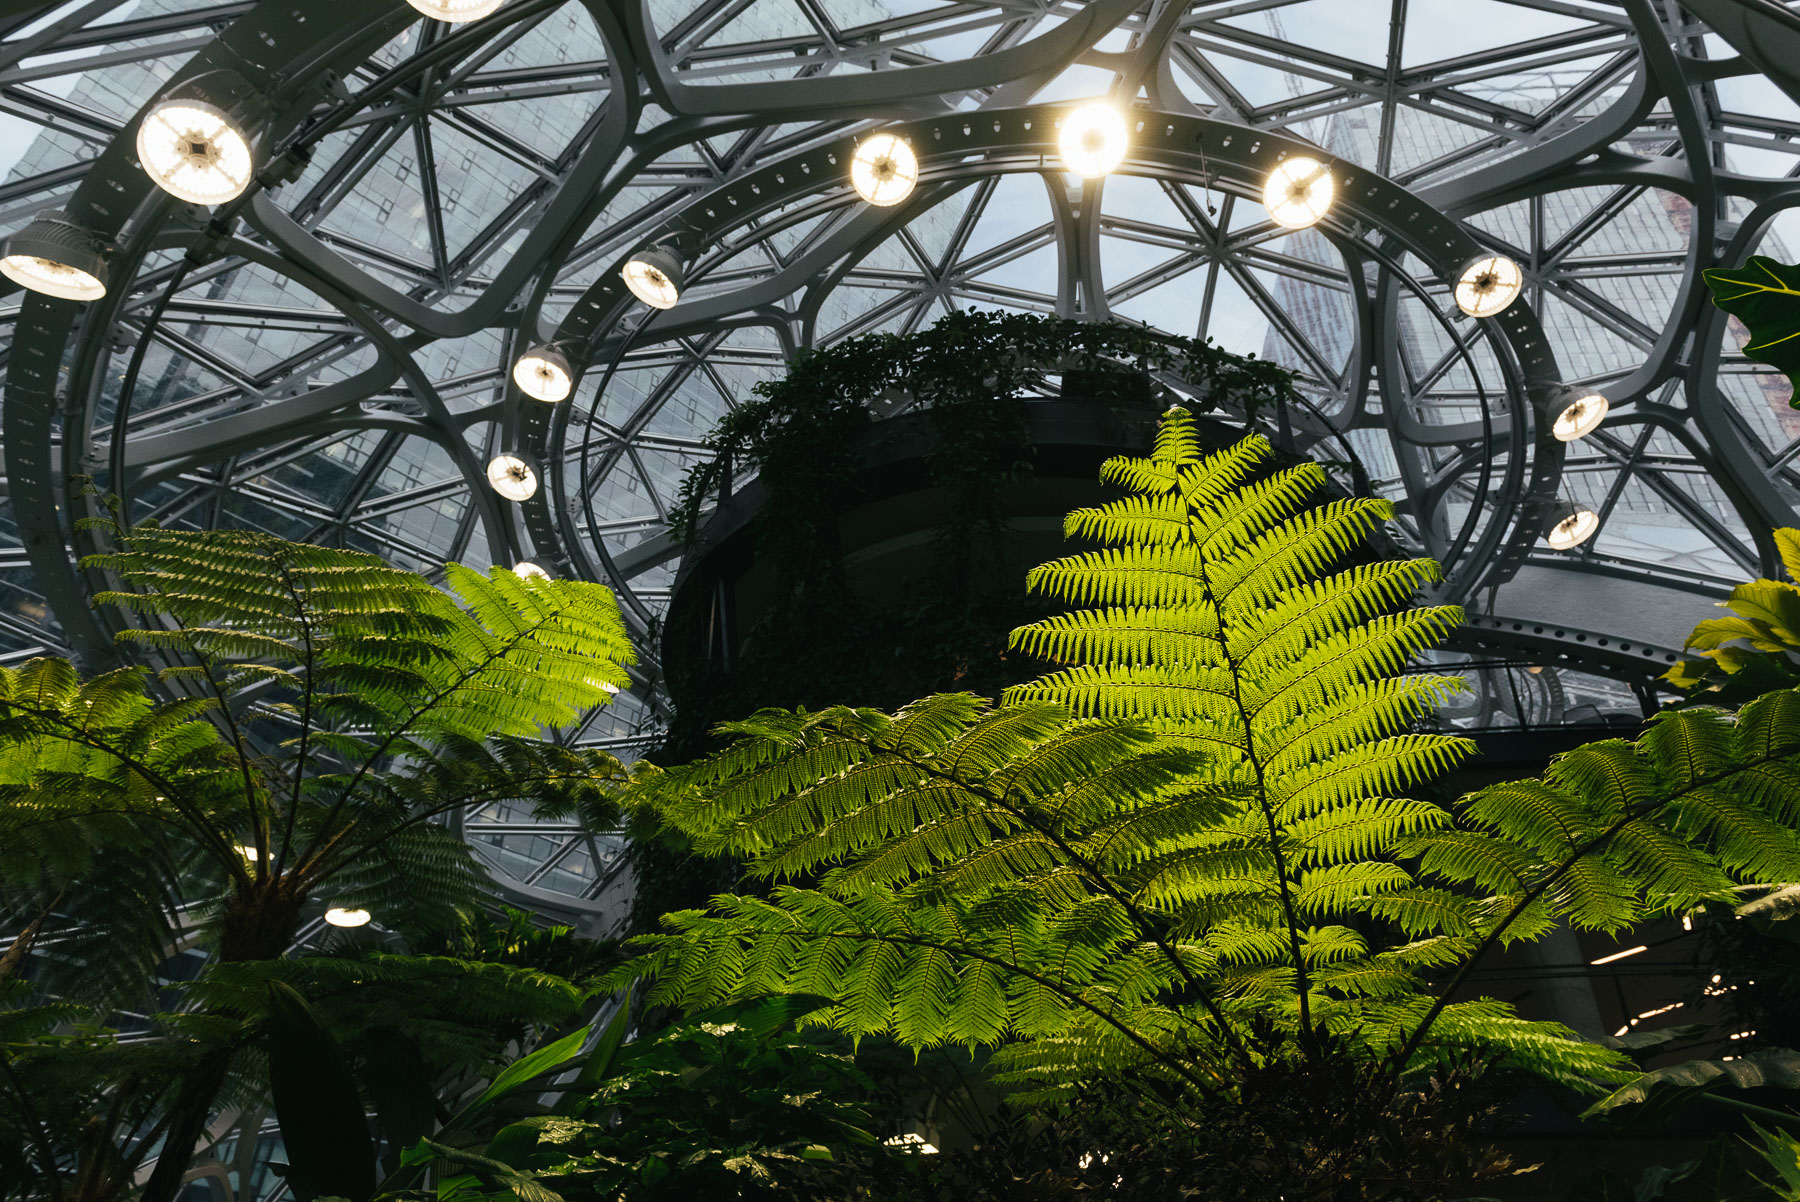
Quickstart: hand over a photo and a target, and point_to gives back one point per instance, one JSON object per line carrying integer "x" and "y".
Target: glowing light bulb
{"x": 1093, "y": 139}
{"x": 56, "y": 257}
{"x": 1298, "y": 192}
{"x": 530, "y": 570}
{"x": 195, "y": 152}
{"x": 1487, "y": 284}
{"x": 543, "y": 373}
{"x": 655, "y": 276}
{"x": 337, "y": 916}
{"x": 512, "y": 477}
{"x": 456, "y": 12}
{"x": 884, "y": 170}
{"x": 1580, "y": 417}
{"x": 1568, "y": 526}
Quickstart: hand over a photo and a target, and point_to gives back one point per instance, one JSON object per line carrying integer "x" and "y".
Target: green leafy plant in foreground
{"x": 307, "y": 716}
{"x": 1196, "y": 836}
{"x": 1755, "y": 651}
{"x": 1765, "y": 295}
{"x": 731, "y": 1103}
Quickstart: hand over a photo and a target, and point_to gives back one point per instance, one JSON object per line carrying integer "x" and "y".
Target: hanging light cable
{"x": 56, "y": 257}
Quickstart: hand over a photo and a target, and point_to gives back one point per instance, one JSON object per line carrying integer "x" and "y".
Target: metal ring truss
{"x": 329, "y": 358}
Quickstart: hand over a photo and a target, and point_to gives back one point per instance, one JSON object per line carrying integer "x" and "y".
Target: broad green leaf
{"x": 1787, "y": 545}
{"x": 521, "y": 1072}
{"x": 1780, "y": 1150}
{"x": 1765, "y": 295}
{"x": 316, "y": 1102}
{"x": 1776, "y": 1066}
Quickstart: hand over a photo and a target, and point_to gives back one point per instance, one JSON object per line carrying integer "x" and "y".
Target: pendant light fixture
{"x": 655, "y": 276}
{"x": 1568, "y": 525}
{"x": 1094, "y": 139}
{"x": 1298, "y": 192}
{"x": 338, "y": 916}
{"x": 1487, "y": 284}
{"x": 456, "y": 12}
{"x": 544, "y": 373}
{"x": 529, "y": 571}
{"x": 1578, "y": 414}
{"x": 195, "y": 141}
{"x": 884, "y": 170}
{"x": 512, "y": 477}
{"x": 56, "y": 257}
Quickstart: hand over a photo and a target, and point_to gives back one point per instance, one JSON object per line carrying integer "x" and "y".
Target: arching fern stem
{"x": 1531, "y": 895}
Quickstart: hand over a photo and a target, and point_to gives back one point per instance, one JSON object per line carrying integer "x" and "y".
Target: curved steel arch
{"x": 950, "y": 149}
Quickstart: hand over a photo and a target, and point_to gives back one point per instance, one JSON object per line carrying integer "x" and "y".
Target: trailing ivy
{"x": 969, "y": 370}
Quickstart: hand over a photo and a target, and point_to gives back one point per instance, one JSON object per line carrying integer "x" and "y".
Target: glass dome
{"x": 327, "y": 357}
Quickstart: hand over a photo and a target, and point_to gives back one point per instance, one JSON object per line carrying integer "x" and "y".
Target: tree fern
{"x": 1197, "y": 830}
{"x": 301, "y": 718}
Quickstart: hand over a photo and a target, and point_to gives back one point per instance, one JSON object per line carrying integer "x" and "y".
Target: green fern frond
{"x": 1197, "y": 825}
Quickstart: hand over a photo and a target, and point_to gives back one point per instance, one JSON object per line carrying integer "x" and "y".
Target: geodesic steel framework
{"x": 328, "y": 357}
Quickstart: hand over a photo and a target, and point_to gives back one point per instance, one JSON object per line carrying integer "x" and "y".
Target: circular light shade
{"x": 530, "y": 570}
{"x": 337, "y": 916}
{"x": 512, "y": 477}
{"x": 1569, "y": 525}
{"x": 455, "y": 12}
{"x": 884, "y": 170}
{"x": 544, "y": 374}
{"x": 1298, "y": 192}
{"x": 56, "y": 257}
{"x": 195, "y": 152}
{"x": 1580, "y": 417}
{"x": 1487, "y": 284}
{"x": 654, "y": 276}
{"x": 1093, "y": 139}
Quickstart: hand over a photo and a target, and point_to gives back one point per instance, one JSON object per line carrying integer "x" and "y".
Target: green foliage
{"x": 1765, "y": 295}
{"x": 1716, "y": 1175}
{"x": 1755, "y": 652}
{"x": 1293, "y": 1131}
{"x": 1780, "y": 1150}
{"x": 967, "y": 367}
{"x": 1665, "y": 1089}
{"x": 732, "y": 1104}
{"x": 316, "y": 1101}
{"x": 1197, "y": 831}
{"x": 300, "y": 721}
